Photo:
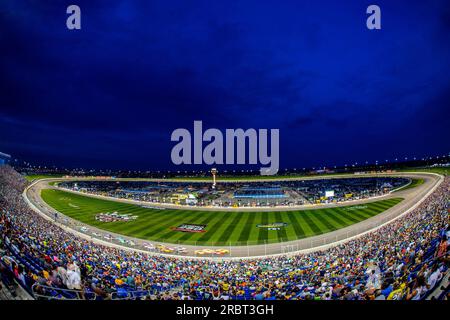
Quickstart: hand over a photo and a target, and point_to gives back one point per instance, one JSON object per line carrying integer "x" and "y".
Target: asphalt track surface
{"x": 412, "y": 198}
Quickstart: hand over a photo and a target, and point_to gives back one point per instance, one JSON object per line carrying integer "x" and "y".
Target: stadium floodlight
{"x": 214, "y": 172}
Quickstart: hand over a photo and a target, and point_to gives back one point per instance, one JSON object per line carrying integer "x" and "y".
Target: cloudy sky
{"x": 110, "y": 94}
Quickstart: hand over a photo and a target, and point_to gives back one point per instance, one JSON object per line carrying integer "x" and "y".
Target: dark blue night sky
{"x": 109, "y": 95}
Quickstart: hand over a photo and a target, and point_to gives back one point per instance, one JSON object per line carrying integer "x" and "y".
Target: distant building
{"x": 386, "y": 187}
{"x": 191, "y": 200}
{"x": 4, "y": 158}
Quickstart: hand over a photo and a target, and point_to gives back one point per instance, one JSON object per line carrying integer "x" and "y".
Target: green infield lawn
{"x": 33, "y": 177}
{"x": 439, "y": 170}
{"x": 414, "y": 183}
{"x": 222, "y": 227}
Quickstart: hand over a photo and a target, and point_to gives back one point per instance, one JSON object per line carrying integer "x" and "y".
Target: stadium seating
{"x": 397, "y": 261}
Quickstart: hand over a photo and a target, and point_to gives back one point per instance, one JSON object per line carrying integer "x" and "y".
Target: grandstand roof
{"x": 4, "y": 156}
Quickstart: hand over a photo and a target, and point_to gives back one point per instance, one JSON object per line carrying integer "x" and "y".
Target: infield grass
{"x": 414, "y": 183}
{"x": 222, "y": 227}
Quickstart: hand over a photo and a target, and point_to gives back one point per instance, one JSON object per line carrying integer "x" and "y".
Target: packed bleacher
{"x": 404, "y": 260}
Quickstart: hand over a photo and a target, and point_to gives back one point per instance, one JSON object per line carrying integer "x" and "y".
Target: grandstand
{"x": 241, "y": 194}
{"x": 260, "y": 193}
{"x": 53, "y": 263}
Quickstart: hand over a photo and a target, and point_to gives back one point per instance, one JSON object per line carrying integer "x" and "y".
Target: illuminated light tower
{"x": 214, "y": 172}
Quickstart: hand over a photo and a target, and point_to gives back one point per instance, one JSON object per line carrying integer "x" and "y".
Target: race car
{"x": 164, "y": 249}
{"x": 148, "y": 246}
{"x": 180, "y": 250}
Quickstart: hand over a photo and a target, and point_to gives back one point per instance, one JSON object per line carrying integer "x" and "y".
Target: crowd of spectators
{"x": 405, "y": 259}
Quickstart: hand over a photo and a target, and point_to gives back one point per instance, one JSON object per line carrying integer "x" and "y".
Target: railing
{"x": 53, "y": 293}
{"x": 130, "y": 295}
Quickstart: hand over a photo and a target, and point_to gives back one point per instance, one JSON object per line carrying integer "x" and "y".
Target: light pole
{"x": 214, "y": 172}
